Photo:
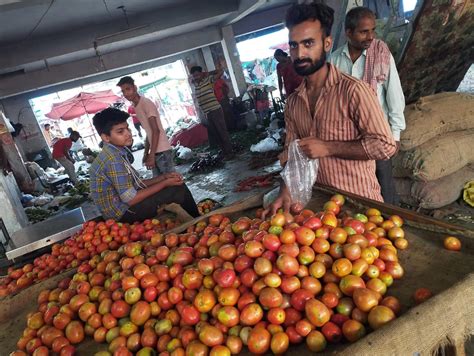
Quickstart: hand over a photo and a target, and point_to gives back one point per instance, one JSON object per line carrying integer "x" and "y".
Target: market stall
{"x": 445, "y": 319}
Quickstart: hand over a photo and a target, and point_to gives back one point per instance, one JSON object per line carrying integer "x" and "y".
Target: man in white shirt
{"x": 370, "y": 60}
{"x": 158, "y": 155}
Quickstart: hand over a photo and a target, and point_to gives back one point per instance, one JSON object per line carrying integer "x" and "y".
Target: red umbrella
{"x": 83, "y": 103}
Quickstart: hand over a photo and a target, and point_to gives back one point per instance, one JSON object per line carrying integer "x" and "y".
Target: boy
{"x": 61, "y": 154}
{"x": 116, "y": 187}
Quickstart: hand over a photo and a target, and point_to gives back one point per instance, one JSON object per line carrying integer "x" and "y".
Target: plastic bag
{"x": 267, "y": 144}
{"x": 299, "y": 174}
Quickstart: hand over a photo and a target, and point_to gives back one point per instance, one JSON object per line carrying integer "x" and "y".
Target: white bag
{"x": 299, "y": 174}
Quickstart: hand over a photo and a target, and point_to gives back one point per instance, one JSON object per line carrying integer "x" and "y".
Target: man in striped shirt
{"x": 336, "y": 117}
{"x": 204, "y": 91}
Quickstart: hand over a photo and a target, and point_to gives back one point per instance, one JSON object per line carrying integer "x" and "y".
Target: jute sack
{"x": 438, "y": 157}
{"x": 435, "y": 115}
{"x": 403, "y": 189}
{"x": 441, "y": 192}
{"x": 433, "y": 194}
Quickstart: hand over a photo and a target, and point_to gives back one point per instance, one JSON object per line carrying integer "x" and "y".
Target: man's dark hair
{"x": 355, "y": 15}
{"x": 280, "y": 52}
{"x": 46, "y": 125}
{"x": 195, "y": 69}
{"x": 297, "y": 14}
{"x": 126, "y": 80}
{"x": 73, "y": 134}
{"x": 108, "y": 118}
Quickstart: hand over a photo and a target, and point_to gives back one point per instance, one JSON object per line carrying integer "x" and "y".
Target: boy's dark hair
{"x": 195, "y": 69}
{"x": 126, "y": 80}
{"x": 46, "y": 125}
{"x": 108, "y": 118}
{"x": 280, "y": 52}
{"x": 297, "y": 14}
{"x": 355, "y": 15}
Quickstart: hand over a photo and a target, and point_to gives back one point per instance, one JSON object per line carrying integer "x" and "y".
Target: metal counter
{"x": 44, "y": 233}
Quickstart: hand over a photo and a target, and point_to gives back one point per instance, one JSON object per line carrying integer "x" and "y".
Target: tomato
{"x": 251, "y": 314}
{"x": 342, "y": 267}
{"x": 379, "y": 316}
{"x": 259, "y": 341}
{"x": 86, "y": 310}
{"x": 332, "y": 332}
{"x": 353, "y": 330}
{"x": 350, "y": 283}
{"x": 270, "y": 297}
{"x": 211, "y": 336}
{"x": 316, "y": 312}
{"x": 422, "y": 294}
{"x": 452, "y": 243}
{"x": 140, "y": 313}
{"x": 316, "y": 341}
{"x": 120, "y": 309}
{"x": 330, "y": 300}
{"x": 228, "y": 316}
{"x": 205, "y": 301}
{"x": 287, "y": 265}
{"x": 393, "y": 303}
{"x": 74, "y": 332}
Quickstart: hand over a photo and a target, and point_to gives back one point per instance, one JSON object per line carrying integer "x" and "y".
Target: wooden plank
{"x": 413, "y": 218}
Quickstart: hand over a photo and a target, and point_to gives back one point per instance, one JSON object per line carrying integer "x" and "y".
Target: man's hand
{"x": 283, "y": 200}
{"x": 150, "y": 161}
{"x": 314, "y": 147}
{"x": 172, "y": 175}
{"x": 174, "y": 180}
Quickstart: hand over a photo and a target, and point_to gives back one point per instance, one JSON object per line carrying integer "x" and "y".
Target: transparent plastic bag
{"x": 299, "y": 174}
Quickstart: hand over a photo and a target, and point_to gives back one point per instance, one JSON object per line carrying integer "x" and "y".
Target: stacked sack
{"x": 437, "y": 150}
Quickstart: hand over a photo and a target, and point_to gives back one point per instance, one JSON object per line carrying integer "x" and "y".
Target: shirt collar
{"x": 115, "y": 149}
{"x": 345, "y": 51}
{"x": 334, "y": 77}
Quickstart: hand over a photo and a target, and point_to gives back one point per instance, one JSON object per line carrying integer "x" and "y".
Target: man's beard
{"x": 312, "y": 68}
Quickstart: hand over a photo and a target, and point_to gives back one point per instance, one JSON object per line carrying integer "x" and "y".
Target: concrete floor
{"x": 219, "y": 184}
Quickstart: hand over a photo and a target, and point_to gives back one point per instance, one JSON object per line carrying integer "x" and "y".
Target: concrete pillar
{"x": 207, "y": 55}
{"x": 13, "y": 157}
{"x": 233, "y": 61}
{"x": 13, "y": 214}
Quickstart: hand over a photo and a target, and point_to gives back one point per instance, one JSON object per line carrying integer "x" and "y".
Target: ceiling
{"x": 24, "y": 20}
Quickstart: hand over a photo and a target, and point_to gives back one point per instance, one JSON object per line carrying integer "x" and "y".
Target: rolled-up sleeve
{"x": 121, "y": 180}
{"x": 376, "y": 137}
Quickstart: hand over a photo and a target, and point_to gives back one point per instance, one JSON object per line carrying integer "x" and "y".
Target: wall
{"x": 12, "y": 213}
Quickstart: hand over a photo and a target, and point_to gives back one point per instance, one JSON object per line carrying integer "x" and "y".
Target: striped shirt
{"x": 111, "y": 182}
{"x": 346, "y": 110}
{"x": 204, "y": 91}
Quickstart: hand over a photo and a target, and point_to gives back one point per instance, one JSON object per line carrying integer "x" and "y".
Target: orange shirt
{"x": 346, "y": 110}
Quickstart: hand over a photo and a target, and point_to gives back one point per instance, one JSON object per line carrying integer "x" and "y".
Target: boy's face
{"x": 120, "y": 135}
{"x": 129, "y": 91}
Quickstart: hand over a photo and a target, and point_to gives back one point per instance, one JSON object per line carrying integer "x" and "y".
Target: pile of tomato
{"x": 312, "y": 277}
{"x": 92, "y": 239}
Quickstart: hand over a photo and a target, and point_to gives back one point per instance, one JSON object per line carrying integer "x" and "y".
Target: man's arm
{"x": 143, "y": 194}
{"x": 155, "y": 131}
{"x": 395, "y": 100}
{"x": 161, "y": 178}
{"x": 66, "y": 153}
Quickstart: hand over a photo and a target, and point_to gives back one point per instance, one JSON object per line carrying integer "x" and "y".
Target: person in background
{"x": 115, "y": 185}
{"x": 61, "y": 153}
{"x": 136, "y": 122}
{"x": 204, "y": 92}
{"x": 336, "y": 118}
{"x": 369, "y": 59}
{"x": 158, "y": 155}
{"x": 287, "y": 76}
{"x": 221, "y": 91}
{"x": 48, "y": 135}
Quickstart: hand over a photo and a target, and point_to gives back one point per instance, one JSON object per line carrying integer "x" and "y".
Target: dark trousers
{"x": 217, "y": 125}
{"x": 383, "y": 171}
{"x": 138, "y": 128}
{"x": 147, "y": 209}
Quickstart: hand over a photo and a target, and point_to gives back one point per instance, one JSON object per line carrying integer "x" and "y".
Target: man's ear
{"x": 327, "y": 44}
{"x": 105, "y": 137}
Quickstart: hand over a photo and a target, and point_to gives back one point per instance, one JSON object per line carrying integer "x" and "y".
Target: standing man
{"x": 336, "y": 118}
{"x": 48, "y": 135}
{"x": 61, "y": 154}
{"x": 287, "y": 76}
{"x": 370, "y": 60}
{"x": 204, "y": 91}
{"x": 158, "y": 155}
